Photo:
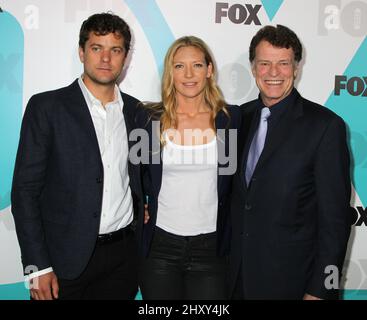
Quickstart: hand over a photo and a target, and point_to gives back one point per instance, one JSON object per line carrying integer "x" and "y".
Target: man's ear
{"x": 295, "y": 71}
{"x": 253, "y": 69}
{"x": 81, "y": 54}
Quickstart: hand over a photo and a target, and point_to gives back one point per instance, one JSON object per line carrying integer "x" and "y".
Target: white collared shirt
{"x": 109, "y": 124}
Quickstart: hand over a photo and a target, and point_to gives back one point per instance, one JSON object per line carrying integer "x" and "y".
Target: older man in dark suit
{"x": 75, "y": 196}
{"x": 291, "y": 194}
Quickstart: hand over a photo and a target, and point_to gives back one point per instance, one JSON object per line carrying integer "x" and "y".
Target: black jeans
{"x": 183, "y": 267}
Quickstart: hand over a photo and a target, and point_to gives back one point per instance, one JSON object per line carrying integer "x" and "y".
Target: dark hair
{"x": 102, "y": 24}
{"x": 280, "y": 37}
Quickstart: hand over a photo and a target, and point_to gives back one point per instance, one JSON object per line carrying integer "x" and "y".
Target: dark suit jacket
{"x": 58, "y": 181}
{"x": 152, "y": 175}
{"x": 292, "y": 221}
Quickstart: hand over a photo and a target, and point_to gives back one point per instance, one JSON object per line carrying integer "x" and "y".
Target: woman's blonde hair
{"x": 212, "y": 94}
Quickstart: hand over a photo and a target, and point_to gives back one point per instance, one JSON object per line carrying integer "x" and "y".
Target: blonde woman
{"x": 185, "y": 237}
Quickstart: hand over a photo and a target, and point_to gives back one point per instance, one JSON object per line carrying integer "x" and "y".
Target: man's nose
{"x": 274, "y": 69}
{"x": 106, "y": 56}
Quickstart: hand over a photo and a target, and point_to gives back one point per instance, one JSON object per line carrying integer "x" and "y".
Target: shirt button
{"x": 248, "y": 206}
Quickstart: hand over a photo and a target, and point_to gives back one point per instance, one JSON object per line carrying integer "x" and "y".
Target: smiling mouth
{"x": 189, "y": 84}
{"x": 274, "y": 82}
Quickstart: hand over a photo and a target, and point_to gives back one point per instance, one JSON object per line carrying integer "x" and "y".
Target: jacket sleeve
{"x": 333, "y": 187}
{"x": 28, "y": 182}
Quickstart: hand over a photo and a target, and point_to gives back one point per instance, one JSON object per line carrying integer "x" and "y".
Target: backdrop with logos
{"x": 39, "y": 52}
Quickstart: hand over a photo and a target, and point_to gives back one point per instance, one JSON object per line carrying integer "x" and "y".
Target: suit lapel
{"x": 280, "y": 133}
{"x": 248, "y": 128}
{"x": 128, "y": 118}
{"x": 222, "y": 145}
{"x": 77, "y": 105}
{"x": 133, "y": 170}
{"x": 155, "y": 150}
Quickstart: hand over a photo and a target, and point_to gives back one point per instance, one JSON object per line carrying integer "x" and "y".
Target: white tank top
{"x": 188, "y": 199}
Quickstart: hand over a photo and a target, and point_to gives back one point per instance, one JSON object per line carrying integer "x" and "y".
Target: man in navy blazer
{"x": 290, "y": 205}
{"x": 75, "y": 195}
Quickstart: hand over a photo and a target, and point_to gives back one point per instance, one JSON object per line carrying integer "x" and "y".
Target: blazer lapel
{"x": 77, "y": 105}
{"x": 155, "y": 151}
{"x": 128, "y": 120}
{"x": 222, "y": 145}
{"x": 248, "y": 128}
{"x": 280, "y": 133}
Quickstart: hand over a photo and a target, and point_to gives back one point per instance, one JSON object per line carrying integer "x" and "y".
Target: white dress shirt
{"x": 109, "y": 124}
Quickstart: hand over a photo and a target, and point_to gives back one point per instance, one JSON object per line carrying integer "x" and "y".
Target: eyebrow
{"x": 99, "y": 45}
{"x": 196, "y": 61}
{"x": 265, "y": 60}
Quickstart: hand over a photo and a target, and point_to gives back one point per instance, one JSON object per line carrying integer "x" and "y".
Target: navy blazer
{"x": 58, "y": 181}
{"x": 152, "y": 175}
{"x": 292, "y": 221}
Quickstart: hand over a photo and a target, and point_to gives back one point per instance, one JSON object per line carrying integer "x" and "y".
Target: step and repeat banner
{"x": 39, "y": 52}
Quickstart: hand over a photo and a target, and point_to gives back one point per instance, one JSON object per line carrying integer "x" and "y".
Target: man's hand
{"x": 310, "y": 297}
{"x": 146, "y": 214}
{"x": 44, "y": 287}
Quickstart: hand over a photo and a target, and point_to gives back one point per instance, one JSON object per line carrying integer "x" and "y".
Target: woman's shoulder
{"x": 147, "y": 112}
{"x": 234, "y": 110}
{"x": 232, "y": 114}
